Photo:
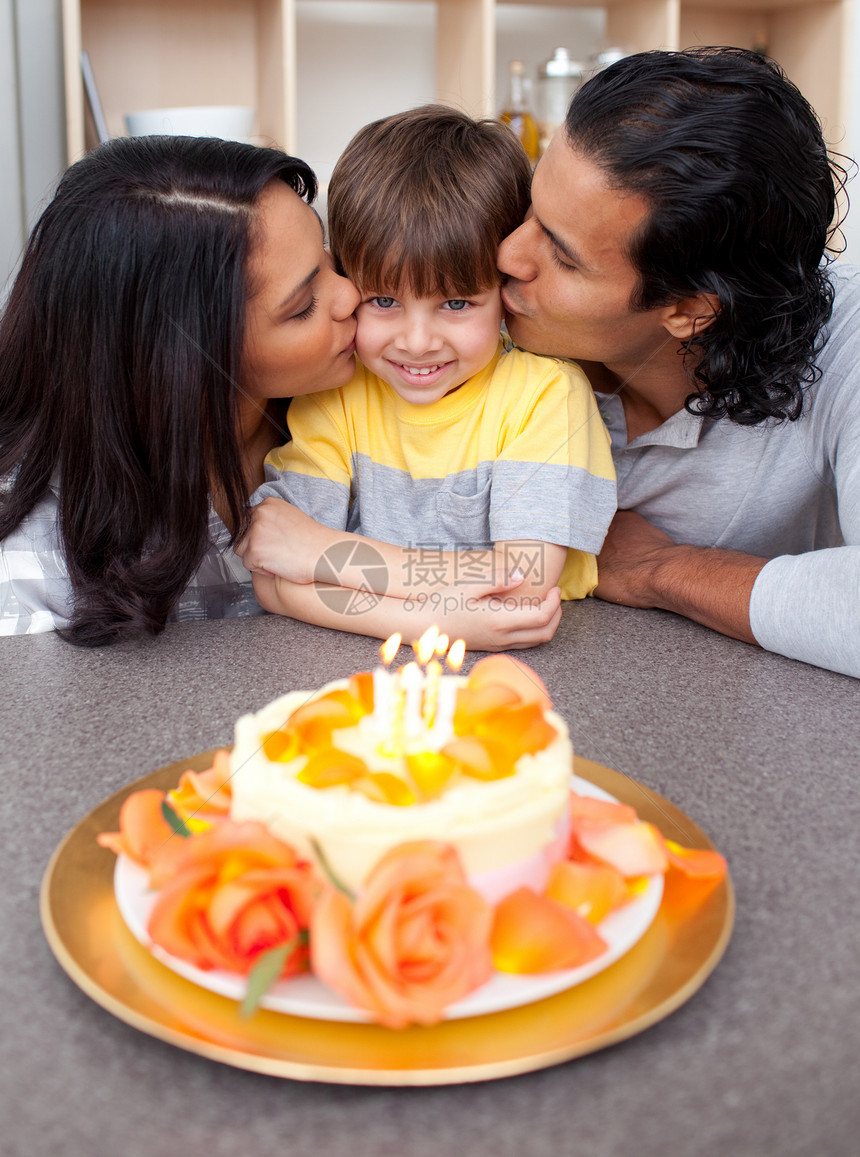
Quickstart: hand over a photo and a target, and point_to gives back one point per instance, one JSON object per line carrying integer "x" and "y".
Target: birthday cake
{"x": 350, "y": 771}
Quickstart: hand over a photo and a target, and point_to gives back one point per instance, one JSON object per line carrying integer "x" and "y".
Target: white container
{"x": 232, "y": 122}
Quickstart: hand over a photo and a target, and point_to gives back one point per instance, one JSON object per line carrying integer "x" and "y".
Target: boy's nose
{"x": 418, "y": 337}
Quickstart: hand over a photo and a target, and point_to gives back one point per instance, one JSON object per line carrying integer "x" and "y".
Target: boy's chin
{"x": 416, "y": 397}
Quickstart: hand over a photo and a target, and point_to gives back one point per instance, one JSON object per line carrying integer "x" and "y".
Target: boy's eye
{"x": 456, "y": 303}
{"x": 383, "y": 302}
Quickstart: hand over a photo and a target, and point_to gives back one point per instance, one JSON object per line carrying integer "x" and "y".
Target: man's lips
{"x": 508, "y": 306}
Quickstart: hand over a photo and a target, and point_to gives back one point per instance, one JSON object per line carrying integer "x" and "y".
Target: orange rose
{"x": 230, "y": 894}
{"x": 415, "y": 940}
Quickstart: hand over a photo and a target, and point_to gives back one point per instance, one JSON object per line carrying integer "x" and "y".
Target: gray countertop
{"x": 762, "y": 752}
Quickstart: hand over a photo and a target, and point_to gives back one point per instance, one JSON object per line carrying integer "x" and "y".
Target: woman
{"x": 172, "y": 292}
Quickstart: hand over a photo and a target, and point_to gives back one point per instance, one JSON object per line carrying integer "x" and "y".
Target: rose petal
{"x": 586, "y": 811}
{"x": 513, "y": 673}
{"x": 143, "y": 830}
{"x": 694, "y": 873}
{"x": 591, "y": 890}
{"x": 534, "y": 934}
{"x": 204, "y": 793}
{"x": 634, "y": 849}
{"x": 698, "y": 863}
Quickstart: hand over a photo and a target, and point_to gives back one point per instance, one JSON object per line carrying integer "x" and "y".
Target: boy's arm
{"x": 484, "y": 619}
{"x": 285, "y": 542}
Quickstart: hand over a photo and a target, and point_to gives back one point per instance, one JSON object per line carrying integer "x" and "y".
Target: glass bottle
{"x": 558, "y": 79}
{"x": 517, "y": 115}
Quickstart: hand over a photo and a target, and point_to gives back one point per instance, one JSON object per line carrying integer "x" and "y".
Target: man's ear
{"x": 689, "y": 316}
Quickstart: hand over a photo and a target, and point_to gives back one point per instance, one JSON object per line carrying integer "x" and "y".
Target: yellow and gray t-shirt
{"x": 519, "y": 451}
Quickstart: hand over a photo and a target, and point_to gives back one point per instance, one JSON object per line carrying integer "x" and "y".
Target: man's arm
{"x": 804, "y": 606}
{"x": 640, "y": 566}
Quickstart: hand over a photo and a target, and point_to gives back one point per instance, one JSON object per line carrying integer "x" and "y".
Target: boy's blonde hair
{"x": 421, "y": 200}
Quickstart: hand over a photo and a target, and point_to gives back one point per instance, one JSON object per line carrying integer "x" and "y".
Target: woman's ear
{"x": 689, "y": 316}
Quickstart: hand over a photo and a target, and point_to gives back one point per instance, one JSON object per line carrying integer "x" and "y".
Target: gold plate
{"x": 89, "y": 939}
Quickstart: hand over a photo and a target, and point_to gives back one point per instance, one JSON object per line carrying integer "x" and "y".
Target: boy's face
{"x": 425, "y": 347}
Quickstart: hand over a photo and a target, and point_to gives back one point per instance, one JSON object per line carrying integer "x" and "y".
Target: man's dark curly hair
{"x": 743, "y": 204}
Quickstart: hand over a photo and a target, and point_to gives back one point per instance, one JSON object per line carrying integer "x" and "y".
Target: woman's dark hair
{"x": 423, "y": 199}
{"x": 730, "y": 158}
{"x": 120, "y": 361}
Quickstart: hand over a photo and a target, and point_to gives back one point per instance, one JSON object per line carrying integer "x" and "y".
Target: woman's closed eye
{"x": 308, "y": 311}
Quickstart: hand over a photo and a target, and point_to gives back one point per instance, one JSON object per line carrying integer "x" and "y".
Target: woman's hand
{"x": 285, "y": 542}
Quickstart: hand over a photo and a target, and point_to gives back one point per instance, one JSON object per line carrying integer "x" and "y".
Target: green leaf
{"x": 266, "y": 971}
{"x": 329, "y": 872}
{"x": 180, "y": 828}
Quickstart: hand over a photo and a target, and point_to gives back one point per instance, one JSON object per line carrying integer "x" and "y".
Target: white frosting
{"x": 493, "y": 825}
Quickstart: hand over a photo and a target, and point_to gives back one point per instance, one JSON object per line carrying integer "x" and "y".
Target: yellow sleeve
{"x": 313, "y": 471}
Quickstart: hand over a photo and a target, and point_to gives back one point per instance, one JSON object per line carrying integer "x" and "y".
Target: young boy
{"x": 470, "y": 454}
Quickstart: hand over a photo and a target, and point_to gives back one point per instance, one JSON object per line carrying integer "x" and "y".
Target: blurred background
{"x": 306, "y": 74}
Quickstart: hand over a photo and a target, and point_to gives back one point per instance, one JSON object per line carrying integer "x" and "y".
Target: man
{"x": 675, "y": 248}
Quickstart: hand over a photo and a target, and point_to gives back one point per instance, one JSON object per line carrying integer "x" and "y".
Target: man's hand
{"x": 627, "y": 564}
{"x": 640, "y": 566}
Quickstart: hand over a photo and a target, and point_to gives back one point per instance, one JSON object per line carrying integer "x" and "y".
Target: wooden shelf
{"x": 162, "y": 53}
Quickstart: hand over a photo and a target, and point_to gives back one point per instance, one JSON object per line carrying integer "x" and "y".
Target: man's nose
{"x": 516, "y": 253}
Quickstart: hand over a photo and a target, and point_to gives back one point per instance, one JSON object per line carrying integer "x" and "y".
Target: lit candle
{"x": 390, "y": 648}
{"x": 456, "y": 654}
{"x": 425, "y": 648}
{"x": 443, "y": 727}
{"x": 431, "y": 691}
{"x": 412, "y": 682}
{"x": 384, "y": 693}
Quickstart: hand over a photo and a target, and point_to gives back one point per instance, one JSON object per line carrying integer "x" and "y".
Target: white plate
{"x": 309, "y": 997}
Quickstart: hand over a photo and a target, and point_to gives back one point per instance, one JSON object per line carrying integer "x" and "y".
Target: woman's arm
{"x": 285, "y": 542}
{"x": 487, "y": 620}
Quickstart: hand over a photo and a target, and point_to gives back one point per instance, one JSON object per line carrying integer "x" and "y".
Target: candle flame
{"x": 456, "y": 654}
{"x": 442, "y": 644}
{"x": 425, "y": 648}
{"x": 390, "y": 648}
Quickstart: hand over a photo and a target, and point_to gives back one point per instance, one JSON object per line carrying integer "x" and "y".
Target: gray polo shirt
{"x": 787, "y": 491}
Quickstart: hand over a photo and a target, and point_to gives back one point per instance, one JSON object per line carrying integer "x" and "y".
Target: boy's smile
{"x": 425, "y": 347}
